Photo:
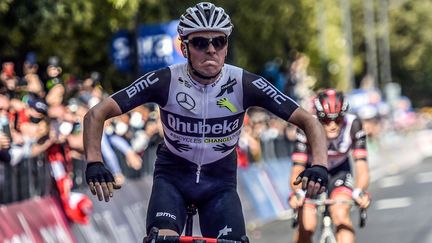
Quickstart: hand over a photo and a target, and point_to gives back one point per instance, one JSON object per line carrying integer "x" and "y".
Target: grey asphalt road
{"x": 400, "y": 211}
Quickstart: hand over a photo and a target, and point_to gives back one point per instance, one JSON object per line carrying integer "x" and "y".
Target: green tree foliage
{"x": 79, "y": 32}
{"x": 411, "y": 49}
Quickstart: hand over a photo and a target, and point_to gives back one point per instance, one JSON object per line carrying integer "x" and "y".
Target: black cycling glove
{"x": 97, "y": 172}
{"x": 316, "y": 173}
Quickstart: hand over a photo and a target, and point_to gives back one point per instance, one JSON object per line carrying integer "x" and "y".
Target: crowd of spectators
{"x": 41, "y": 115}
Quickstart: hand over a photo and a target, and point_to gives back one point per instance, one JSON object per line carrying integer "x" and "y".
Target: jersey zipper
{"x": 204, "y": 111}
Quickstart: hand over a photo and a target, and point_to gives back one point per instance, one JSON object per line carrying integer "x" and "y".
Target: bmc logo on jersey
{"x": 269, "y": 90}
{"x": 141, "y": 84}
{"x": 165, "y": 214}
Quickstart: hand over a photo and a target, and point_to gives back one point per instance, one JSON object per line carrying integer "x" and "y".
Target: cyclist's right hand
{"x": 296, "y": 199}
{"x": 100, "y": 180}
{"x": 314, "y": 180}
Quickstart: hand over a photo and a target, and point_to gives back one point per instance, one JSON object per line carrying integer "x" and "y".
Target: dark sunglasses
{"x": 201, "y": 43}
{"x": 327, "y": 120}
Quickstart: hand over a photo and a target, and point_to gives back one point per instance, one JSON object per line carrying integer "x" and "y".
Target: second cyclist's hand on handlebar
{"x": 314, "y": 180}
{"x": 100, "y": 180}
{"x": 362, "y": 199}
{"x": 296, "y": 199}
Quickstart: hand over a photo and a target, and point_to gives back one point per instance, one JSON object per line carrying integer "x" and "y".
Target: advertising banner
{"x": 266, "y": 186}
{"x": 122, "y": 219}
{"x": 158, "y": 46}
{"x": 38, "y": 220}
{"x": 121, "y": 51}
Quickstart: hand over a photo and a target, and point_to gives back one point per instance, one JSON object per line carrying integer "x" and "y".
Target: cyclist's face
{"x": 207, "y": 58}
{"x": 332, "y": 129}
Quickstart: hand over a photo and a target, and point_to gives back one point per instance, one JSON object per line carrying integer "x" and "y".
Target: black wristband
{"x": 93, "y": 163}
{"x": 97, "y": 172}
{"x": 320, "y": 166}
{"x": 299, "y": 163}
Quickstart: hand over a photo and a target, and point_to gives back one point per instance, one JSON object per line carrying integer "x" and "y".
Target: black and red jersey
{"x": 351, "y": 138}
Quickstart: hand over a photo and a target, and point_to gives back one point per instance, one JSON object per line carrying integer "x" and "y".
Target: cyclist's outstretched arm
{"x": 101, "y": 181}
{"x": 315, "y": 135}
{"x": 314, "y": 180}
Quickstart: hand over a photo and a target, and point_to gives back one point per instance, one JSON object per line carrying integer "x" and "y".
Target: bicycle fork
{"x": 327, "y": 235}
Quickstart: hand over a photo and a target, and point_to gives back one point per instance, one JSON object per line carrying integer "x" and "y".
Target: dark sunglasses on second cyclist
{"x": 202, "y": 43}
{"x": 337, "y": 120}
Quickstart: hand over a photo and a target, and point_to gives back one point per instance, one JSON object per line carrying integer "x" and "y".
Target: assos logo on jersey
{"x": 140, "y": 84}
{"x": 197, "y": 127}
{"x": 276, "y": 95}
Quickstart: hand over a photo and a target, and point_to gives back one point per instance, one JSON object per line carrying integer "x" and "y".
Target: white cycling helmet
{"x": 204, "y": 17}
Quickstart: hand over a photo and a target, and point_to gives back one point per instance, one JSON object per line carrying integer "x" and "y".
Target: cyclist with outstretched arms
{"x": 202, "y": 104}
{"x": 344, "y": 136}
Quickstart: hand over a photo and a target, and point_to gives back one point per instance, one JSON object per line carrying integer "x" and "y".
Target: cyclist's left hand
{"x": 362, "y": 199}
{"x": 314, "y": 180}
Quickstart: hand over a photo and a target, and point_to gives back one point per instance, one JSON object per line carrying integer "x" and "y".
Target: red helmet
{"x": 330, "y": 105}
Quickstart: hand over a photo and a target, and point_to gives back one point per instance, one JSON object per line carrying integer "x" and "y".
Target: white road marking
{"x": 391, "y": 181}
{"x": 429, "y": 237}
{"x": 389, "y": 203}
{"x": 424, "y": 177}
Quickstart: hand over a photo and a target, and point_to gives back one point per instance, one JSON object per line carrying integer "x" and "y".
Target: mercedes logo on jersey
{"x": 186, "y": 101}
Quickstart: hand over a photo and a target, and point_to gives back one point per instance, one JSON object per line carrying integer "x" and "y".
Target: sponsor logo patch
{"x": 141, "y": 84}
{"x": 224, "y": 231}
{"x": 186, "y": 83}
{"x": 269, "y": 90}
{"x": 225, "y": 103}
{"x": 186, "y": 101}
{"x": 228, "y": 87}
{"x": 210, "y": 127}
{"x": 165, "y": 214}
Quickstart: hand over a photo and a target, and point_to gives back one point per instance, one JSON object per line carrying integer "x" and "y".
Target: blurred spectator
{"x": 34, "y": 87}
{"x": 35, "y": 133}
{"x": 120, "y": 140}
{"x": 30, "y": 65}
{"x": 55, "y": 95}
{"x": 404, "y": 116}
{"x": 8, "y": 70}
{"x": 153, "y": 136}
{"x": 8, "y": 80}
{"x": 279, "y": 139}
{"x": 369, "y": 115}
{"x": 109, "y": 155}
{"x": 302, "y": 80}
{"x": 5, "y": 134}
{"x": 273, "y": 73}
{"x": 249, "y": 141}
{"x": 77, "y": 110}
{"x": 53, "y": 72}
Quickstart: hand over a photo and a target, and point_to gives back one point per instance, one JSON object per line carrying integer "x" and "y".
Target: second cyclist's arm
{"x": 93, "y": 127}
{"x": 299, "y": 158}
{"x": 362, "y": 175}
{"x": 360, "y": 155}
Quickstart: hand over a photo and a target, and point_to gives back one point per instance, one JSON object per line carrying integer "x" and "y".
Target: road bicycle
{"x": 327, "y": 228}
{"x": 154, "y": 236}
